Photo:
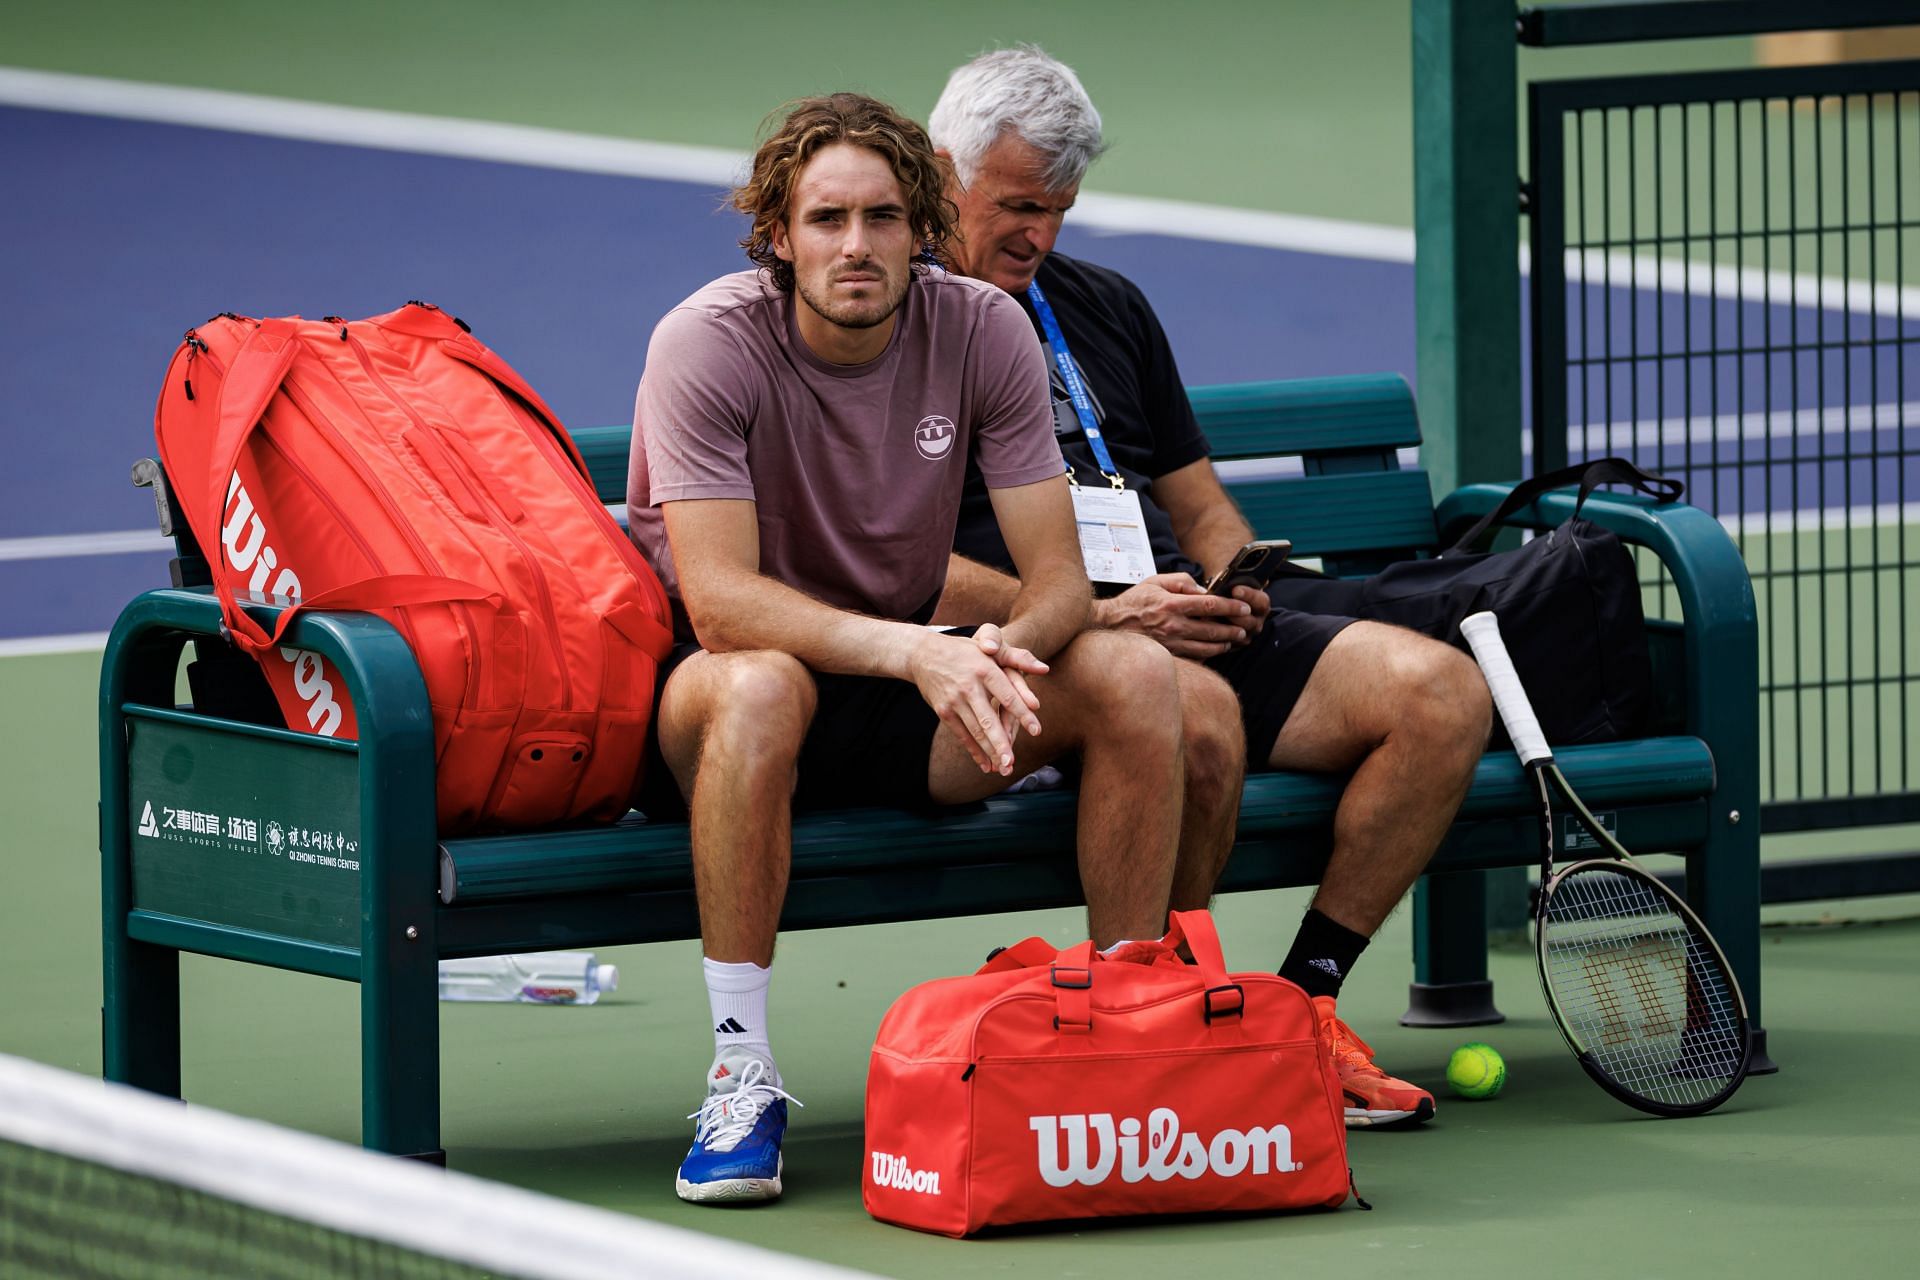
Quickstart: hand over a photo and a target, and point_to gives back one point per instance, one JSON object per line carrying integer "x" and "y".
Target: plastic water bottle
{"x": 541, "y": 977}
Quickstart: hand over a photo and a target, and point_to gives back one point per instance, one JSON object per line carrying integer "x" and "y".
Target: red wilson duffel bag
{"x": 396, "y": 465}
{"x": 1066, "y": 1084}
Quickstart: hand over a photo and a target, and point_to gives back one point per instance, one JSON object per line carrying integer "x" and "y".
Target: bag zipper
{"x": 543, "y": 590}
{"x": 196, "y": 347}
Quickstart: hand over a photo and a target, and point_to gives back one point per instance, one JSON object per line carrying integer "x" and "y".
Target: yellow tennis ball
{"x": 1476, "y": 1070}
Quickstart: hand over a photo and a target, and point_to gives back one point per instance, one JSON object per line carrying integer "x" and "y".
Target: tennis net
{"x": 98, "y": 1180}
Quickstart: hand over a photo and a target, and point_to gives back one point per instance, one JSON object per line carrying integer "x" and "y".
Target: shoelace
{"x": 1356, "y": 1054}
{"x": 726, "y": 1118}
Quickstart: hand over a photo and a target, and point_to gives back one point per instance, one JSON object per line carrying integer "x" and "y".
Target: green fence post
{"x": 1467, "y": 306}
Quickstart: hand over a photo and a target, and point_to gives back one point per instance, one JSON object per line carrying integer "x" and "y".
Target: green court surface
{"x": 1292, "y": 108}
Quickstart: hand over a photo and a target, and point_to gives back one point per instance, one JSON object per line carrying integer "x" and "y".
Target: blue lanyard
{"x": 1076, "y": 386}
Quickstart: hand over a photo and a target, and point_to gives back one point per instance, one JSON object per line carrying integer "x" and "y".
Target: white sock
{"x": 737, "y": 996}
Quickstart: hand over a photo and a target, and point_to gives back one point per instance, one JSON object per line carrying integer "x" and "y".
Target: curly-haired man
{"x": 801, "y": 437}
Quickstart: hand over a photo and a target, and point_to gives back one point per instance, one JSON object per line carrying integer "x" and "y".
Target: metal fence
{"x": 1723, "y": 270}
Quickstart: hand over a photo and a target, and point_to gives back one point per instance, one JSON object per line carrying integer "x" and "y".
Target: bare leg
{"x": 1115, "y": 698}
{"x": 730, "y": 728}
{"x": 1216, "y": 755}
{"x": 1410, "y": 717}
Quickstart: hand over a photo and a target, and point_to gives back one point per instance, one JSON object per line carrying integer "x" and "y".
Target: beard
{"x": 885, "y": 296}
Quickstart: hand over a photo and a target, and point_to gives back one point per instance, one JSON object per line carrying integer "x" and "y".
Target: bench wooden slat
{"x": 637, "y": 855}
{"x": 1340, "y": 514}
{"x": 1242, "y": 420}
{"x": 1307, "y": 415}
{"x": 605, "y": 449}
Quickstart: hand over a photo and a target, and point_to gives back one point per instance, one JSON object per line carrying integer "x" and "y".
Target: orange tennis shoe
{"x": 1374, "y": 1098}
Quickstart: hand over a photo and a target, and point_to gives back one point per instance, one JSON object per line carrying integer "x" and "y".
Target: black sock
{"x": 1323, "y": 954}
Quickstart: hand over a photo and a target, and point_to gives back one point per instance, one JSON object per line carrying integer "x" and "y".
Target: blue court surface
{"x": 122, "y": 234}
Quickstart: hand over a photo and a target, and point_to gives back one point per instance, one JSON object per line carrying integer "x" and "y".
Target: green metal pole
{"x": 1466, "y": 172}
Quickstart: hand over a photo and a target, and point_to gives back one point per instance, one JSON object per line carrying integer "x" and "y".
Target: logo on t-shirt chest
{"x": 934, "y": 437}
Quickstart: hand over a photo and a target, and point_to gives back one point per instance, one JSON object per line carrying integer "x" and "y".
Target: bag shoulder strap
{"x": 1589, "y": 476}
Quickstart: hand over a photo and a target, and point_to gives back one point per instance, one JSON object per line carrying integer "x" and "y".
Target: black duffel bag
{"x": 1568, "y": 603}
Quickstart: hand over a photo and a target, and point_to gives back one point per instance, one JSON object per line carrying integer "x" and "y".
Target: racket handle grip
{"x": 1482, "y": 631}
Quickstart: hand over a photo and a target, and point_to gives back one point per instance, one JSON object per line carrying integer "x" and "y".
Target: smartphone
{"x": 1254, "y": 565}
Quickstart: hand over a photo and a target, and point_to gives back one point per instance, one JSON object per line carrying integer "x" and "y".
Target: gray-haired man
{"x": 1407, "y": 716}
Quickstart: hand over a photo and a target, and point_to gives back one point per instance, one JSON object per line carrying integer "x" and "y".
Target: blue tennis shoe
{"x": 735, "y": 1158}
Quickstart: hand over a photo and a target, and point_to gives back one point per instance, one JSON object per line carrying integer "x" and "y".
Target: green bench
{"x": 226, "y": 835}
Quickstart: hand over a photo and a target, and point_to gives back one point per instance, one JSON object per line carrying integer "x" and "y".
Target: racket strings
{"x": 1645, "y": 995}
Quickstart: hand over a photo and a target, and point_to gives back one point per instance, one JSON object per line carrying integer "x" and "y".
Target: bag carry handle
{"x": 365, "y": 596}
{"x": 1072, "y": 975}
{"x": 1589, "y": 476}
{"x": 1223, "y": 998}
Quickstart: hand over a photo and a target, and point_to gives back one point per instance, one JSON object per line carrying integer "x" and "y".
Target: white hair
{"x": 1023, "y": 91}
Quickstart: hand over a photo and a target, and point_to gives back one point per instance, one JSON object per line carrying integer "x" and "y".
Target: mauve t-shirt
{"x": 856, "y": 470}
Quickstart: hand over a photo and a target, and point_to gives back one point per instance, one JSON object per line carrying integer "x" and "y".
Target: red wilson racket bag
{"x": 1056, "y": 1085}
{"x": 397, "y": 466}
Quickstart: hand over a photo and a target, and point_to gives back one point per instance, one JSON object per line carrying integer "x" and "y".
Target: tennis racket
{"x": 1638, "y": 987}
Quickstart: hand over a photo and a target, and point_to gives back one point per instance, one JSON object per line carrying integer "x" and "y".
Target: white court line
{"x": 363, "y": 127}
{"x": 1776, "y": 424}
{"x": 60, "y": 545}
{"x": 1886, "y": 515}
{"x": 716, "y": 166}
{"x": 1729, "y": 284}
{"x": 34, "y": 646}
{"x": 626, "y": 157}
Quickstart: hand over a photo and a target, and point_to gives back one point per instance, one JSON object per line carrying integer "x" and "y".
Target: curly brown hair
{"x": 812, "y": 124}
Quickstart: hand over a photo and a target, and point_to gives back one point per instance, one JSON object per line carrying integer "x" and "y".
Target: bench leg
{"x": 1723, "y": 884}
{"x": 139, "y": 982}
{"x": 400, "y": 1059}
{"x": 140, "y": 1018}
{"x": 1450, "y": 986}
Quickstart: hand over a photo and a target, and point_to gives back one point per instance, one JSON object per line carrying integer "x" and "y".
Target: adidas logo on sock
{"x": 1326, "y": 966}
{"x": 731, "y": 1027}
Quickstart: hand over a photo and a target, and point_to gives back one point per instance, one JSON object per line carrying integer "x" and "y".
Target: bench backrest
{"x": 1315, "y": 460}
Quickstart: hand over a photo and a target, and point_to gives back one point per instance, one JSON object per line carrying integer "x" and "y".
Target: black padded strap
{"x": 1589, "y": 476}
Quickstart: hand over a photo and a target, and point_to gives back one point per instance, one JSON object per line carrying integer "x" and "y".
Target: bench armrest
{"x": 1721, "y": 634}
{"x": 388, "y": 694}
{"x": 396, "y": 722}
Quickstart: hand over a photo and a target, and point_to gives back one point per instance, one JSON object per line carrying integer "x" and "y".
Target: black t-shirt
{"x": 1138, "y": 402}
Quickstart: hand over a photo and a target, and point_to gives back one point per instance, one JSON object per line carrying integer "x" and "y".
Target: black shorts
{"x": 1271, "y": 672}
{"x": 869, "y": 744}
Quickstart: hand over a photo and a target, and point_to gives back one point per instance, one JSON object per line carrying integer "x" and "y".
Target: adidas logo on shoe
{"x": 731, "y": 1027}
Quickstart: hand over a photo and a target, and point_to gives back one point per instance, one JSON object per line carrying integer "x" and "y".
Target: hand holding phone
{"x": 1254, "y": 565}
